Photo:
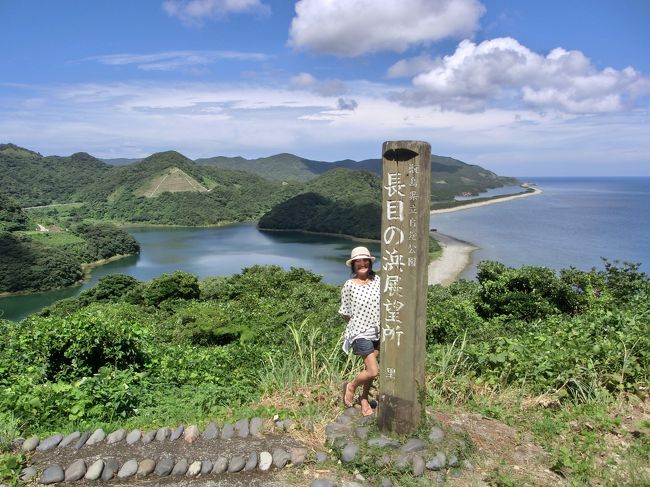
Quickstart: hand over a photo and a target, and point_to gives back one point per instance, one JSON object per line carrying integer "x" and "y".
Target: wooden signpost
{"x": 404, "y": 261}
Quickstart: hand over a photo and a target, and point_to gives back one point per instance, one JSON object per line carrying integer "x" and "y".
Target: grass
{"x": 55, "y": 239}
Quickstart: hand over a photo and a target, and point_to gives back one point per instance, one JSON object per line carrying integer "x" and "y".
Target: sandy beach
{"x": 457, "y": 254}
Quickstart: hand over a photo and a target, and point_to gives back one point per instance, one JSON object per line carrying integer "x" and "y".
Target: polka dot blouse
{"x": 361, "y": 303}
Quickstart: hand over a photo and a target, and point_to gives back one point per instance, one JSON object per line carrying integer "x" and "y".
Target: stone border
{"x": 106, "y": 467}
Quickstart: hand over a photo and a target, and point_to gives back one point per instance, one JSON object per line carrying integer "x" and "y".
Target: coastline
{"x": 457, "y": 254}
{"x": 535, "y": 191}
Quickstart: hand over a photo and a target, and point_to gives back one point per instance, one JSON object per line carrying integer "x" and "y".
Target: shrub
{"x": 179, "y": 285}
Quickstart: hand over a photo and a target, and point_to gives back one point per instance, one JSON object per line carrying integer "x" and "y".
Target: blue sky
{"x": 523, "y": 88}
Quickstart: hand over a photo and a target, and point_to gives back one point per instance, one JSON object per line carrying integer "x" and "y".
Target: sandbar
{"x": 535, "y": 191}
{"x": 457, "y": 254}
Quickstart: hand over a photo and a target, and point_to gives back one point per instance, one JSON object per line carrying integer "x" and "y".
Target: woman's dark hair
{"x": 371, "y": 273}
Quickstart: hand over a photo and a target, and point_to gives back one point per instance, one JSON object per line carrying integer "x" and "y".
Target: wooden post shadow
{"x": 404, "y": 262}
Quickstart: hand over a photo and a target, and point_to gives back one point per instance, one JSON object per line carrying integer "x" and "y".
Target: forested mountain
{"x": 341, "y": 201}
{"x": 169, "y": 188}
{"x": 280, "y": 167}
{"x": 449, "y": 177}
{"x": 33, "y": 180}
{"x": 200, "y": 195}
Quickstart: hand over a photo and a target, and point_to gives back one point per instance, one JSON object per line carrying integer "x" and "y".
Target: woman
{"x": 360, "y": 308}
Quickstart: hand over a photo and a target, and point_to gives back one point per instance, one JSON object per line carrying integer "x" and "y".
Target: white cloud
{"x": 302, "y": 80}
{"x": 411, "y": 67}
{"x": 135, "y": 119}
{"x": 196, "y": 11}
{"x": 174, "y": 60}
{"x": 356, "y": 27}
{"x": 327, "y": 87}
{"x": 503, "y": 72}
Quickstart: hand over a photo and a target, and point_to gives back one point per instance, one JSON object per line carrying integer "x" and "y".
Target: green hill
{"x": 280, "y": 167}
{"x": 34, "y": 180}
{"x": 340, "y": 201}
{"x": 170, "y": 189}
{"x": 449, "y": 177}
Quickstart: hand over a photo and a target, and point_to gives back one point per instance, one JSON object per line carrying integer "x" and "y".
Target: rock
{"x": 52, "y": 475}
{"x": 386, "y": 482}
{"x": 256, "y": 426}
{"x": 383, "y": 442}
{"x": 75, "y": 471}
{"x": 116, "y": 436}
{"x": 452, "y": 461}
{"x": 194, "y": 469}
{"x": 27, "y": 473}
{"x": 211, "y": 431}
{"x": 365, "y": 420}
{"x": 17, "y": 443}
{"x": 241, "y": 428}
{"x": 49, "y": 443}
{"x": 146, "y": 467}
{"x": 30, "y": 444}
{"x": 148, "y": 437}
{"x": 352, "y": 412}
{"x": 164, "y": 466}
{"x": 307, "y": 425}
{"x": 69, "y": 439}
{"x": 418, "y": 465}
{"x": 436, "y": 435}
{"x": 321, "y": 457}
{"x": 288, "y": 424}
{"x": 176, "y": 434}
{"x": 352, "y": 484}
{"x": 298, "y": 455}
{"x": 349, "y": 453}
{"x": 128, "y": 470}
{"x": 110, "y": 469}
{"x": 402, "y": 462}
{"x": 163, "y": 433}
{"x": 206, "y": 467}
{"x": 220, "y": 465}
{"x": 266, "y": 460}
{"x": 251, "y": 462}
{"x": 467, "y": 465}
{"x": 191, "y": 434}
{"x": 338, "y": 430}
{"x": 322, "y": 483}
{"x": 341, "y": 442}
{"x": 133, "y": 437}
{"x": 438, "y": 462}
{"x": 97, "y": 437}
{"x": 414, "y": 444}
{"x": 228, "y": 431}
{"x": 236, "y": 464}
{"x": 95, "y": 470}
{"x": 82, "y": 440}
{"x": 180, "y": 468}
{"x": 344, "y": 419}
{"x": 280, "y": 457}
{"x": 362, "y": 432}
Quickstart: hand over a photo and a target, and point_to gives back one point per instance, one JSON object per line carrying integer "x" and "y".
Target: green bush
{"x": 179, "y": 285}
{"x": 528, "y": 293}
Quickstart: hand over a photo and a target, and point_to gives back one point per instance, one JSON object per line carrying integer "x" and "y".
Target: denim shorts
{"x": 363, "y": 346}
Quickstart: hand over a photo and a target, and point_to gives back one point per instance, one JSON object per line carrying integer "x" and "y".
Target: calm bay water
{"x": 204, "y": 252}
{"x": 574, "y": 222}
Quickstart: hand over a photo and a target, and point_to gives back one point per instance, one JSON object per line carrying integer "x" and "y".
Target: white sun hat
{"x": 359, "y": 253}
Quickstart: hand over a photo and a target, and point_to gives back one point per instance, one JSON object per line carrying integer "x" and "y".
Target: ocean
{"x": 575, "y": 222}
